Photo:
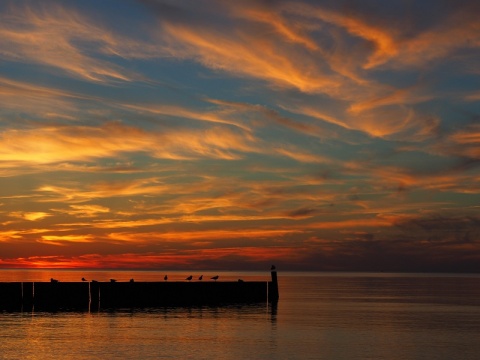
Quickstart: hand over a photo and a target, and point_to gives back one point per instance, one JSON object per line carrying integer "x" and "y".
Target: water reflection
{"x": 326, "y": 316}
{"x": 230, "y": 311}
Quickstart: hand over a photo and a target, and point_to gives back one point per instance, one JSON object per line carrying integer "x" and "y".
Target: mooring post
{"x": 89, "y": 297}
{"x": 273, "y": 288}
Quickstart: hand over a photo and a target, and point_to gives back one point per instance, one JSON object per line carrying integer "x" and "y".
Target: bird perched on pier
{"x": 215, "y": 278}
{"x": 273, "y": 267}
{"x": 189, "y": 278}
{"x": 132, "y": 280}
{"x": 94, "y": 281}
{"x": 83, "y": 279}
{"x": 113, "y": 280}
{"x": 53, "y": 280}
{"x": 165, "y": 278}
{"x": 200, "y": 278}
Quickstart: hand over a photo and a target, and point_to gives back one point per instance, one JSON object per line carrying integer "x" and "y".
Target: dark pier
{"x": 94, "y": 296}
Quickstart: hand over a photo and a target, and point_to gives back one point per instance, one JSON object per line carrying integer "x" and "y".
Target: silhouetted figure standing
{"x": 132, "y": 280}
{"x": 165, "y": 278}
{"x": 83, "y": 279}
{"x": 215, "y": 278}
{"x": 189, "y": 278}
{"x": 200, "y": 278}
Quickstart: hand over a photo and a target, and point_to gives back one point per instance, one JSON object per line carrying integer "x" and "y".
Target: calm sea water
{"x": 319, "y": 316}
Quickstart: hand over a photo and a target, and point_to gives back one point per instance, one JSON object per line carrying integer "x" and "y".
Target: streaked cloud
{"x": 30, "y": 216}
{"x": 50, "y": 34}
{"x": 46, "y": 145}
{"x": 59, "y": 240}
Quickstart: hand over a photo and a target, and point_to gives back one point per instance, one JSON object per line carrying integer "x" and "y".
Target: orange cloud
{"x": 388, "y": 117}
{"x": 302, "y": 156}
{"x": 469, "y": 136}
{"x": 192, "y": 259}
{"x": 47, "y": 35}
{"x": 245, "y": 54}
{"x": 9, "y": 235}
{"x": 30, "y": 216}
{"x": 397, "y": 97}
{"x": 62, "y": 239}
{"x": 35, "y": 100}
{"x": 99, "y": 190}
{"x": 292, "y": 31}
{"x": 460, "y": 30}
{"x": 83, "y": 211}
{"x": 80, "y": 143}
{"x": 210, "y": 236}
{"x": 385, "y": 44}
{"x": 218, "y": 117}
{"x": 320, "y": 115}
{"x": 376, "y": 222}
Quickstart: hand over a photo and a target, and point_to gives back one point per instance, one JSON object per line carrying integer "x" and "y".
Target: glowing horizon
{"x": 231, "y": 135}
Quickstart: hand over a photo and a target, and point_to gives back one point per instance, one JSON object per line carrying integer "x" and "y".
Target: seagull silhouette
{"x": 113, "y": 280}
{"x": 165, "y": 278}
{"x": 189, "y": 278}
{"x": 215, "y": 278}
{"x": 53, "y": 280}
{"x": 131, "y": 280}
{"x": 273, "y": 267}
{"x": 200, "y": 278}
{"x": 83, "y": 279}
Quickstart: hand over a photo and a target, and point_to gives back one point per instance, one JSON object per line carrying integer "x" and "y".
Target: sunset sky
{"x": 202, "y": 134}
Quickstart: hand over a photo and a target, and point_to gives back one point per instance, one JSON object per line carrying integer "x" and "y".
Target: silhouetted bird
{"x": 83, "y": 279}
{"x": 113, "y": 280}
{"x": 215, "y": 278}
{"x": 165, "y": 278}
{"x": 200, "y": 278}
{"x": 273, "y": 267}
{"x": 131, "y": 280}
{"x": 94, "y": 281}
{"x": 53, "y": 280}
{"x": 240, "y": 280}
{"x": 189, "y": 278}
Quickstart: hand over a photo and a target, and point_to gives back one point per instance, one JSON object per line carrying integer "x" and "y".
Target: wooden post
{"x": 273, "y": 288}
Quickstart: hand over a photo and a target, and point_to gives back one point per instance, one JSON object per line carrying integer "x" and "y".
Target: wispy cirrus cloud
{"x": 467, "y": 141}
{"x": 62, "y": 240}
{"x": 239, "y": 51}
{"x": 209, "y": 237}
{"x": 30, "y": 216}
{"x": 84, "y": 210}
{"x": 36, "y": 100}
{"x": 51, "y": 35}
{"x": 384, "y": 42}
{"x": 214, "y": 117}
{"x": 44, "y": 145}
